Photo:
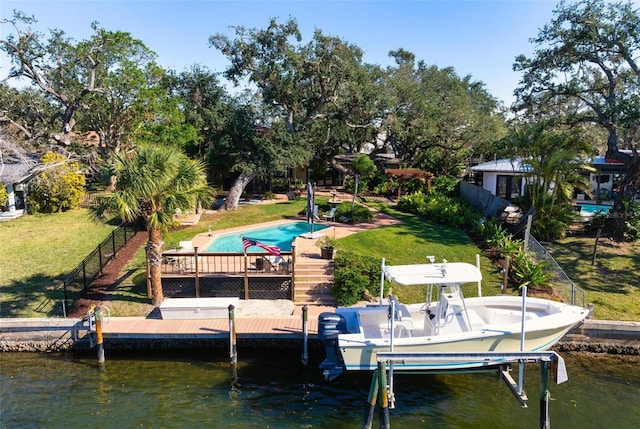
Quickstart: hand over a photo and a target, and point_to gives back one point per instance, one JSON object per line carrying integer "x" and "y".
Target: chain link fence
{"x": 569, "y": 292}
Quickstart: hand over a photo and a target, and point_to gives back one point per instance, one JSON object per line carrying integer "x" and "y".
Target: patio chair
{"x": 315, "y": 213}
{"x": 331, "y": 216}
{"x": 272, "y": 263}
{"x": 276, "y": 264}
{"x": 185, "y": 245}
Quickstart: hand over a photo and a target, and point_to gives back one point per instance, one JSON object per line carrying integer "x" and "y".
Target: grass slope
{"x": 37, "y": 253}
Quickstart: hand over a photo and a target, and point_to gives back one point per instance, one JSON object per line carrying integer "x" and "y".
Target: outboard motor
{"x": 330, "y": 325}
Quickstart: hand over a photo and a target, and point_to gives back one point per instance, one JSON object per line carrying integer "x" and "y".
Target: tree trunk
{"x": 231, "y": 203}
{"x": 67, "y": 126}
{"x": 155, "y": 246}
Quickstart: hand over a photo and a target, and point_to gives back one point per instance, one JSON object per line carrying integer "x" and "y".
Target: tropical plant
{"x": 153, "y": 183}
{"x": 504, "y": 242}
{"x": 326, "y": 242}
{"x": 558, "y": 163}
{"x": 528, "y": 272}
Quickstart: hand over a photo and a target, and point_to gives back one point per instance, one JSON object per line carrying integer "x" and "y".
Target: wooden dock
{"x": 264, "y": 327}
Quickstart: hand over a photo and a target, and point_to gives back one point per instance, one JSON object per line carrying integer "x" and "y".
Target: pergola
{"x": 405, "y": 174}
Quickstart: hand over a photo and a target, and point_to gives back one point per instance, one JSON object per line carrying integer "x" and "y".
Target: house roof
{"x": 15, "y": 172}
{"x": 407, "y": 173}
{"x": 503, "y": 166}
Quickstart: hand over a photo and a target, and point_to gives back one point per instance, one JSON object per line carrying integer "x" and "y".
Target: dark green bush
{"x": 440, "y": 208}
{"x": 353, "y": 275}
{"x": 443, "y": 185}
{"x": 358, "y": 215}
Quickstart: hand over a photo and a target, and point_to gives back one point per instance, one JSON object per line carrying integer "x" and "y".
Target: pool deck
{"x": 269, "y": 324}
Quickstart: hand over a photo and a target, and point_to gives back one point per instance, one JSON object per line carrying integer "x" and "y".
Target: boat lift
{"x": 551, "y": 364}
{"x": 383, "y": 377}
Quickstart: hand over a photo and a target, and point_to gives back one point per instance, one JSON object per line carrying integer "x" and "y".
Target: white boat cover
{"x": 425, "y": 274}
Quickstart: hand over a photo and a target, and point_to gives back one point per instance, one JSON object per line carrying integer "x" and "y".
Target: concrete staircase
{"x": 313, "y": 282}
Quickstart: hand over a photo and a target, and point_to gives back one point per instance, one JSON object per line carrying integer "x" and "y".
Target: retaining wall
{"x": 52, "y": 335}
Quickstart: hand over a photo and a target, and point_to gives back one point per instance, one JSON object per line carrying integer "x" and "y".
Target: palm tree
{"x": 559, "y": 163}
{"x": 153, "y": 183}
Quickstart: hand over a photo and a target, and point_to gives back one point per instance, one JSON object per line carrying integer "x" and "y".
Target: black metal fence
{"x": 79, "y": 280}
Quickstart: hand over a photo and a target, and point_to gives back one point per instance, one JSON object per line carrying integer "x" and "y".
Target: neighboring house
{"x": 607, "y": 179}
{"x": 14, "y": 176}
{"x": 506, "y": 177}
{"x": 502, "y": 177}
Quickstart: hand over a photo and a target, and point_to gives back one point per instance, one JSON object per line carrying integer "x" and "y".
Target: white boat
{"x": 352, "y": 336}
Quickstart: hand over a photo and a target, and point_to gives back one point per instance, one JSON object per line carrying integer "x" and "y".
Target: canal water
{"x": 273, "y": 390}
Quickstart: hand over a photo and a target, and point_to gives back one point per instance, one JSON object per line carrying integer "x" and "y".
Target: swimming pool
{"x": 278, "y": 235}
{"x": 594, "y": 208}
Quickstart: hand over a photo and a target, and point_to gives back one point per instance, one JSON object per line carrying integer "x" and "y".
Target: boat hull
{"x": 484, "y": 324}
{"x": 360, "y": 355}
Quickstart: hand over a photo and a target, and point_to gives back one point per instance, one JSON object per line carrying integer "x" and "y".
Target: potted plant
{"x": 327, "y": 246}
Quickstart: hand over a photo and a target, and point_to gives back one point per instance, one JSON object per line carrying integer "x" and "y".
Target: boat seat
{"x": 378, "y": 317}
{"x": 399, "y": 331}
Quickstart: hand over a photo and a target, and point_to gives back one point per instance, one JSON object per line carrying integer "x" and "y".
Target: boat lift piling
{"x": 370, "y": 409}
{"x": 522, "y": 334}
{"x": 479, "y": 281}
{"x": 547, "y": 360}
{"x": 305, "y": 335}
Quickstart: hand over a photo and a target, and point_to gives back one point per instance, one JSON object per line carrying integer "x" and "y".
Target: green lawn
{"x": 412, "y": 241}
{"x": 38, "y": 251}
{"x": 611, "y": 283}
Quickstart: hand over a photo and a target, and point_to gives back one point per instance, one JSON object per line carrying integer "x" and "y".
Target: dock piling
{"x": 305, "y": 335}
{"x": 95, "y": 316}
{"x": 233, "y": 352}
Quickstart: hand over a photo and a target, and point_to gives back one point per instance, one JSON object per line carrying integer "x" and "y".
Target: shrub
{"x": 440, "y": 208}
{"x": 528, "y": 272}
{"x": 631, "y": 227}
{"x": 57, "y": 189}
{"x": 443, "y": 185}
{"x": 414, "y": 203}
{"x": 353, "y": 275}
{"x": 504, "y": 243}
{"x": 359, "y": 214}
{"x": 4, "y": 195}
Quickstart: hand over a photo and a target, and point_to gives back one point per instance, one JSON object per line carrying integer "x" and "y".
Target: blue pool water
{"x": 595, "y": 208}
{"x": 279, "y": 235}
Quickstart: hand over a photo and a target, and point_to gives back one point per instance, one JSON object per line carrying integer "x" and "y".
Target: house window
{"x": 508, "y": 187}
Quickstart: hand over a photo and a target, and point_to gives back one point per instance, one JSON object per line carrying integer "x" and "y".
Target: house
{"x": 14, "y": 175}
{"x": 607, "y": 179}
{"x": 506, "y": 177}
{"x": 502, "y": 177}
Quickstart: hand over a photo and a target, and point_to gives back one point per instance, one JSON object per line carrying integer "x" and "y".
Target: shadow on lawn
{"x": 40, "y": 295}
{"x": 613, "y": 265}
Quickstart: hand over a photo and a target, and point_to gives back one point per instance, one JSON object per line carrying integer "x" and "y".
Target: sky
{"x": 480, "y": 38}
